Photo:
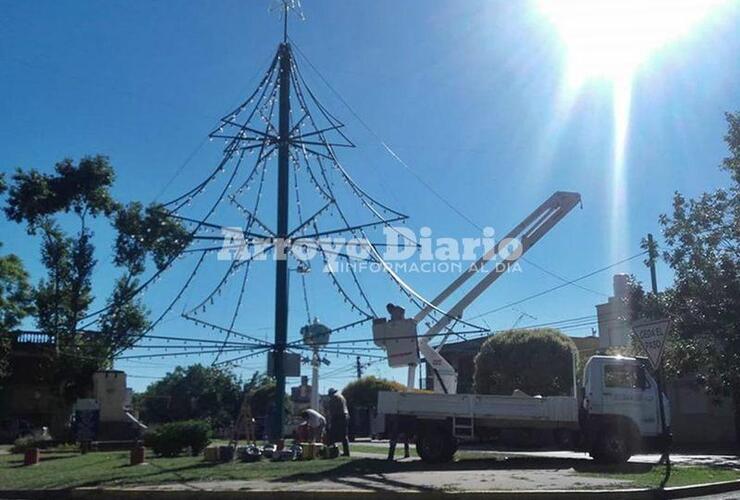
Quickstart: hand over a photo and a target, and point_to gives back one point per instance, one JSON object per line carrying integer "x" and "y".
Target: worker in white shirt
{"x": 315, "y": 422}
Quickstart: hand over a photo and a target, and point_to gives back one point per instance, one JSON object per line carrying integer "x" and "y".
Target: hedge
{"x": 169, "y": 440}
{"x": 537, "y": 362}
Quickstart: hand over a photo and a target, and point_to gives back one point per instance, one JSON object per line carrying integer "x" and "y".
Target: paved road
{"x": 415, "y": 480}
{"x": 722, "y": 496}
{"x": 677, "y": 458}
{"x": 709, "y": 459}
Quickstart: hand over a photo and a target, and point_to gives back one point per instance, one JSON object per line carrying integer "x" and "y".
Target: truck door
{"x": 629, "y": 391}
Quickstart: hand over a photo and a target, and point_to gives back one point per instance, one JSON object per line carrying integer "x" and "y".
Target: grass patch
{"x": 58, "y": 471}
{"x": 680, "y": 475}
{"x": 368, "y": 448}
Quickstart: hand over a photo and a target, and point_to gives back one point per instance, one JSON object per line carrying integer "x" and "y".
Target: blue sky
{"x": 469, "y": 94}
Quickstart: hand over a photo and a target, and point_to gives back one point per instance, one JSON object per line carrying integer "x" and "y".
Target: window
{"x": 624, "y": 377}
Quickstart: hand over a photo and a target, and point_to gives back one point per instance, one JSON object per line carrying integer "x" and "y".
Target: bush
{"x": 535, "y": 361}
{"x": 363, "y": 393}
{"x": 22, "y": 444}
{"x": 169, "y": 440}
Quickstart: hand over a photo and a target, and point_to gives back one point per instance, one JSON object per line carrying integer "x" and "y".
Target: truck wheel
{"x": 436, "y": 446}
{"x": 612, "y": 447}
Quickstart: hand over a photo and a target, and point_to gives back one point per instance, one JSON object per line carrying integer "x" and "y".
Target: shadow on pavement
{"x": 370, "y": 468}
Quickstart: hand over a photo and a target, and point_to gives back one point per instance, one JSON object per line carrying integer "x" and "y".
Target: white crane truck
{"x": 614, "y": 414}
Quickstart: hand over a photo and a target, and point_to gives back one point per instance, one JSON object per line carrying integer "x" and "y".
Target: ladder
{"x": 244, "y": 422}
{"x": 463, "y": 427}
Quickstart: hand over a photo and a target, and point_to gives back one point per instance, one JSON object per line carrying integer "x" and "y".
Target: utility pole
{"x": 359, "y": 368}
{"x": 262, "y": 124}
{"x": 652, "y": 249}
{"x": 281, "y": 247}
{"x": 315, "y": 363}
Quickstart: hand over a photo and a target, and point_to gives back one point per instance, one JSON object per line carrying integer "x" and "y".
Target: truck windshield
{"x": 622, "y": 376}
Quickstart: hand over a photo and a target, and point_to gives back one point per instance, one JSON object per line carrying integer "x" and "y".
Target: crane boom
{"x": 517, "y": 242}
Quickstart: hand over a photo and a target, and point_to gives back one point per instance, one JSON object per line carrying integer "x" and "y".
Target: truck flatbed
{"x": 486, "y": 410}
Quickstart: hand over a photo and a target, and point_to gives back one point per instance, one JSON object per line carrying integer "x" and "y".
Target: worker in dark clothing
{"x": 397, "y": 432}
{"x": 338, "y": 421}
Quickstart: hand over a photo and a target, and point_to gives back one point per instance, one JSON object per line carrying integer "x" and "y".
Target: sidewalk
{"x": 439, "y": 480}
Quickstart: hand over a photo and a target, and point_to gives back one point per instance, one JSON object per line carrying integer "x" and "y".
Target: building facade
{"x": 28, "y": 401}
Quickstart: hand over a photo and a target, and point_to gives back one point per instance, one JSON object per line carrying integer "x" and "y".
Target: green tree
{"x": 261, "y": 396}
{"x": 16, "y": 303}
{"x": 64, "y": 297}
{"x": 363, "y": 393}
{"x": 702, "y": 239}
{"x": 204, "y": 393}
{"x": 538, "y": 361}
{"x": 83, "y": 189}
{"x": 196, "y": 392}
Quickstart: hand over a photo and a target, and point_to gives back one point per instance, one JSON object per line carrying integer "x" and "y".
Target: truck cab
{"x": 619, "y": 413}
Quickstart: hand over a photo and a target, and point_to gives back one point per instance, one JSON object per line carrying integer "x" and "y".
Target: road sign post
{"x": 651, "y": 334}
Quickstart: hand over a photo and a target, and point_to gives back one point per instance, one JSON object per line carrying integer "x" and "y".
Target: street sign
{"x": 652, "y": 334}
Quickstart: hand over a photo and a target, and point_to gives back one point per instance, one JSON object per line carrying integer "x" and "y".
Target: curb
{"x": 130, "y": 494}
{"x": 703, "y": 489}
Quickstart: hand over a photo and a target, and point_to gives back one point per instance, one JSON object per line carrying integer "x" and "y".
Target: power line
{"x": 578, "y": 322}
{"x": 563, "y": 278}
{"x": 539, "y": 294}
{"x": 419, "y": 178}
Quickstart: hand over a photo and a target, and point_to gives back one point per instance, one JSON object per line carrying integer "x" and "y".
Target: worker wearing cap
{"x": 338, "y": 420}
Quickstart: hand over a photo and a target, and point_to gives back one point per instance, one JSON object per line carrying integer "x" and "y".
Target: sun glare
{"x": 609, "y": 40}
{"x": 612, "y": 38}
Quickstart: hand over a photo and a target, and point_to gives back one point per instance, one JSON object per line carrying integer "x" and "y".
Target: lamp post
{"x": 316, "y": 336}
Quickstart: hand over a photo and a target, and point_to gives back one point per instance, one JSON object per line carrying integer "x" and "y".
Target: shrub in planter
{"x": 169, "y": 440}
{"x": 25, "y": 443}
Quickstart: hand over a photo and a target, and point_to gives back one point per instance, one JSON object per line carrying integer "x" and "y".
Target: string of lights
{"x": 251, "y": 128}
{"x": 418, "y": 177}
